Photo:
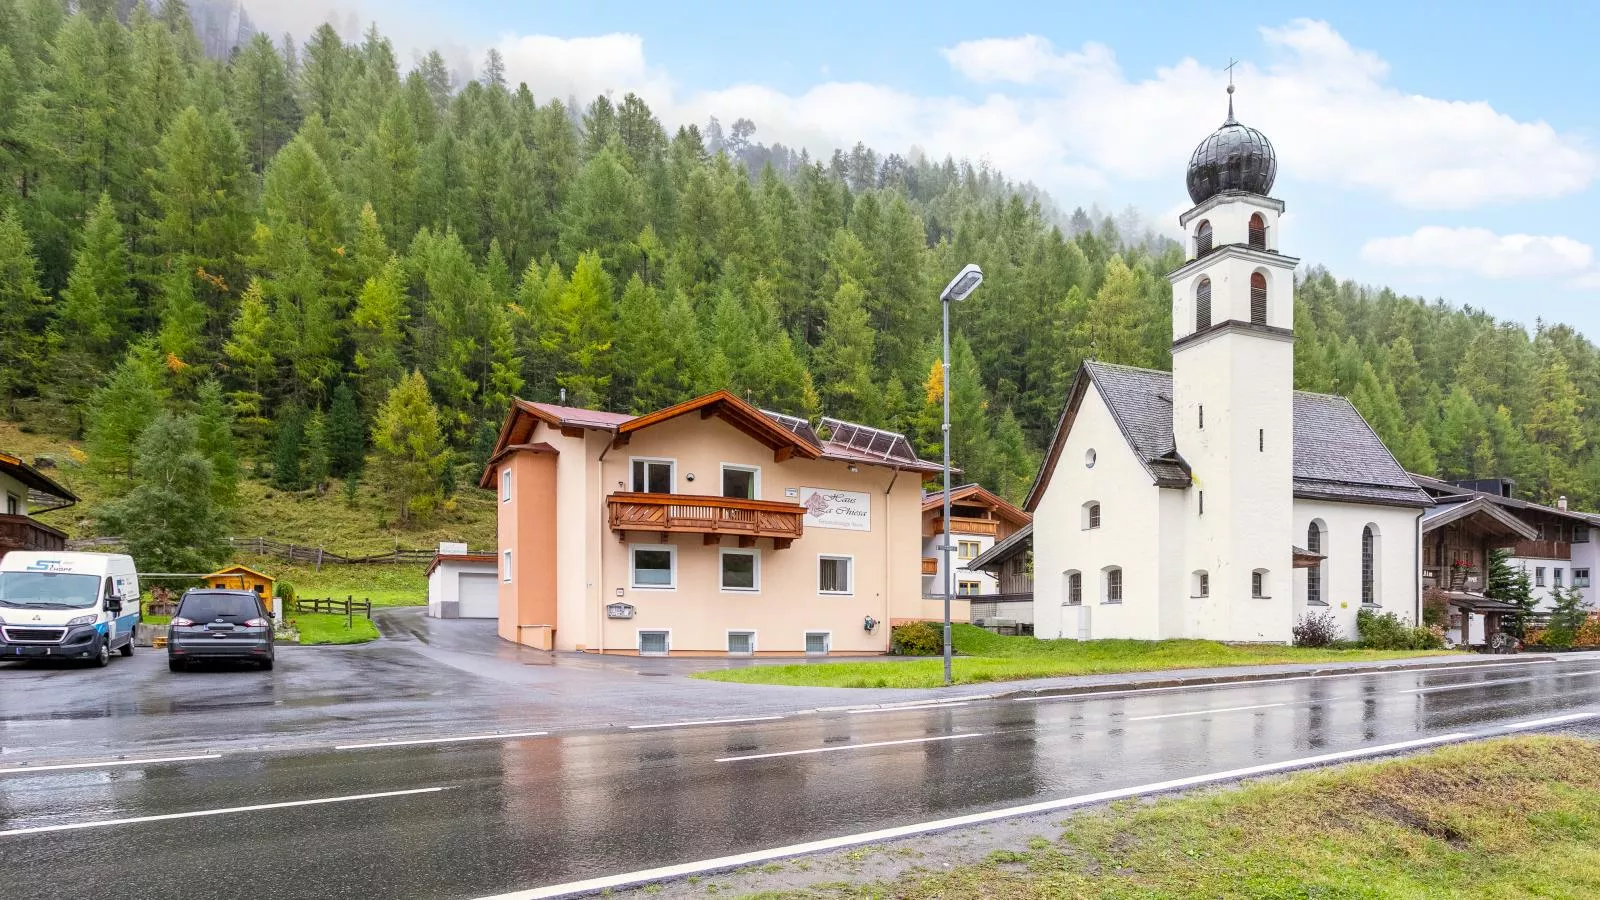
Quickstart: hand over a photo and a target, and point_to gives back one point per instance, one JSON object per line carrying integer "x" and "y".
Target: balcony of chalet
{"x": 707, "y": 515}
{"x": 1542, "y": 550}
{"x": 23, "y": 533}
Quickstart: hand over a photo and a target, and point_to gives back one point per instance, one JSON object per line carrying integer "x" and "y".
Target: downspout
{"x": 600, "y": 606}
{"x": 1418, "y": 611}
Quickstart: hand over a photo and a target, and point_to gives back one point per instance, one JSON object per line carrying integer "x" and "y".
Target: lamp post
{"x": 965, "y": 282}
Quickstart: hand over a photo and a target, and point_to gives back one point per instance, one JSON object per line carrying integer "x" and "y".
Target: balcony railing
{"x": 930, "y": 565}
{"x": 1542, "y": 550}
{"x": 707, "y": 515}
{"x": 963, "y": 525}
{"x": 23, "y": 533}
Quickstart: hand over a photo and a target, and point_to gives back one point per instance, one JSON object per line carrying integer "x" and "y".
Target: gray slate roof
{"x": 1337, "y": 455}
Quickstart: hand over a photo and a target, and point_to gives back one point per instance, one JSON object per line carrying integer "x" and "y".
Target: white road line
{"x": 705, "y": 722}
{"x": 1483, "y": 684}
{"x": 1263, "y": 682}
{"x": 918, "y": 707}
{"x": 444, "y": 740}
{"x": 1553, "y": 720}
{"x": 943, "y": 737}
{"x": 1201, "y": 712}
{"x": 25, "y": 770}
{"x": 104, "y": 823}
{"x": 871, "y": 837}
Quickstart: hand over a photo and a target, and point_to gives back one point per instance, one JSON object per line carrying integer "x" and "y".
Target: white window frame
{"x": 850, "y": 575}
{"x": 827, "y": 638}
{"x": 755, "y": 481}
{"x": 13, "y": 504}
{"x": 1093, "y": 515}
{"x": 755, "y": 569}
{"x": 1538, "y": 576}
{"x": 638, "y": 640}
{"x": 1200, "y": 584}
{"x": 728, "y": 640}
{"x": 633, "y": 574}
{"x": 505, "y": 565}
{"x": 505, "y": 485}
{"x": 1556, "y": 577}
{"x": 672, "y": 476}
{"x": 1580, "y": 578}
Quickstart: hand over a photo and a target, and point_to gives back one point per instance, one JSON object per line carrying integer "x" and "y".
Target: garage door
{"x": 480, "y": 595}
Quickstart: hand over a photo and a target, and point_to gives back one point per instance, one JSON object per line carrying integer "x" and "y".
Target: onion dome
{"x": 1233, "y": 158}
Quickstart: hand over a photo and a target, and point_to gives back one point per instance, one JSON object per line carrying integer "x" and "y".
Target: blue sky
{"x": 1446, "y": 150}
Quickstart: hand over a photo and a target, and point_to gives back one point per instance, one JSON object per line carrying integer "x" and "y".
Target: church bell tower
{"x": 1233, "y": 392}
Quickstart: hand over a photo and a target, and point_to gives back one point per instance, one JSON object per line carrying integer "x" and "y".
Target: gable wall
{"x": 1398, "y": 564}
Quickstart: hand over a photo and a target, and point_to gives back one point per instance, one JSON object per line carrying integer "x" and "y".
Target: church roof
{"x": 1337, "y": 455}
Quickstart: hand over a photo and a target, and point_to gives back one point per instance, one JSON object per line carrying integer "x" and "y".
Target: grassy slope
{"x": 299, "y": 518}
{"x": 990, "y": 657}
{"x": 1517, "y": 817}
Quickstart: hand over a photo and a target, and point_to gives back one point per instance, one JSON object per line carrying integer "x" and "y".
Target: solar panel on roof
{"x": 866, "y": 439}
{"x": 795, "y": 424}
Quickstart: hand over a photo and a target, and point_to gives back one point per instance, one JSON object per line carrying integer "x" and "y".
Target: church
{"x": 1216, "y": 501}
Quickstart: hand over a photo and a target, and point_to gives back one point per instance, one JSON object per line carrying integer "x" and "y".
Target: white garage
{"x": 463, "y": 585}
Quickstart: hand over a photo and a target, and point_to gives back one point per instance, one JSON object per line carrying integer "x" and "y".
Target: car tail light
{"x": 180, "y": 620}
{"x": 257, "y": 622}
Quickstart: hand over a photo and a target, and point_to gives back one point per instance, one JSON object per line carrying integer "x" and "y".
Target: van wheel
{"x": 127, "y": 649}
{"x": 266, "y": 665}
{"x": 102, "y": 657}
{"x": 175, "y": 665}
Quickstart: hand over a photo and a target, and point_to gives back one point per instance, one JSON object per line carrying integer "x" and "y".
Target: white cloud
{"x": 583, "y": 67}
{"x": 1481, "y": 252}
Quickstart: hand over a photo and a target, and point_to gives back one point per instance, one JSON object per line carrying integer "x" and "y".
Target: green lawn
{"x": 325, "y": 628}
{"x": 990, "y": 657}
{"x": 1518, "y": 817}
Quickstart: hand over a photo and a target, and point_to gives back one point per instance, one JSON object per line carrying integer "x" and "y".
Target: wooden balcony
{"x": 23, "y": 533}
{"x": 963, "y": 525}
{"x": 707, "y": 515}
{"x": 930, "y": 565}
{"x": 1542, "y": 550}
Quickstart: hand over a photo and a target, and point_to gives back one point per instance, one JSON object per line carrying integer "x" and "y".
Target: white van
{"x": 67, "y": 605}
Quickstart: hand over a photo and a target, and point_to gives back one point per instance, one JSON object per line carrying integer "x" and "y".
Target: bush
{"x": 917, "y": 639}
{"x": 1385, "y": 631}
{"x": 284, "y": 591}
{"x": 1316, "y": 629}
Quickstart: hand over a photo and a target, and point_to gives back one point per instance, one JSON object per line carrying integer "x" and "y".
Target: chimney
{"x": 1561, "y": 503}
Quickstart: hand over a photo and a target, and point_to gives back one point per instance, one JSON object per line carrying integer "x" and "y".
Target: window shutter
{"x": 1258, "y": 299}
{"x": 1202, "y": 305}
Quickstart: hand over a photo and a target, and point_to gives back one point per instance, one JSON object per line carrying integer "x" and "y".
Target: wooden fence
{"x": 347, "y": 607}
{"x": 318, "y": 556}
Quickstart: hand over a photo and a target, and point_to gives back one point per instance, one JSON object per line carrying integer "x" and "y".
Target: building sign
{"x": 619, "y": 611}
{"x": 827, "y": 508}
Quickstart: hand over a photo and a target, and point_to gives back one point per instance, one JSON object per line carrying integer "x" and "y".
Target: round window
{"x": 1088, "y": 458}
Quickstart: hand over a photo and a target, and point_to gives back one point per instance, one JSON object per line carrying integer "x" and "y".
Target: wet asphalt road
{"x": 484, "y": 817}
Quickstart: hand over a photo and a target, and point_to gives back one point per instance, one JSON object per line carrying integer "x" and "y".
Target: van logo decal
{"x": 46, "y": 565}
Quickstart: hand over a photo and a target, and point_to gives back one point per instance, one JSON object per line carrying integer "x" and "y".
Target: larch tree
{"x": 410, "y": 443}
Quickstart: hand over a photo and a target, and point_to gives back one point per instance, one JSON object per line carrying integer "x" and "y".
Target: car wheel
{"x": 102, "y": 656}
{"x": 127, "y": 649}
{"x": 175, "y": 665}
{"x": 266, "y": 665}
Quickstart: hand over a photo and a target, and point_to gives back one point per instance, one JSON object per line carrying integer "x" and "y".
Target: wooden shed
{"x": 243, "y": 578}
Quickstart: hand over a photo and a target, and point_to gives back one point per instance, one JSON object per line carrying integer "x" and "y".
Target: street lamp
{"x": 965, "y": 282}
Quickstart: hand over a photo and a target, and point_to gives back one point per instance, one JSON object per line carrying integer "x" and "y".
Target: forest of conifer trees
{"x": 279, "y": 241}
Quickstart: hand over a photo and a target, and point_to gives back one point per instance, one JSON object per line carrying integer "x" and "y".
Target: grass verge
{"x": 385, "y": 584}
{"x": 991, "y": 657}
{"x": 325, "y": 628}
{"x": 1517, "y": 817}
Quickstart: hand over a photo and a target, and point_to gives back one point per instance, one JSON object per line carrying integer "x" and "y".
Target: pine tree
{"x": 346, "y": 434}
{"x": 410, "y": 443}
{"x": 25, "y": 340}
{"x": 316, "y": 466}
{"x": 1110, "y": 328}
{"x": 1554, "y": 427}
{"x": 1511, "y": 584}
{"x": 214, "y": 429}
{"x": 377, "y": 328}
{"x": 263, "y": 100}
{"x": 183, "y": 318}
{"x": 843, "y": 361}
{"x": 122, "y": 407}
{"x": 580, "y": 332}
{"x": 289, "y": 450}
{"x": 201, "y": 193}
{"x": 249, "y": 348}
{"x": 98, "y": 308}
{"x": 169, "y": 521}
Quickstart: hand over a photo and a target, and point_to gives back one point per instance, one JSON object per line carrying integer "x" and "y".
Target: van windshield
{"x": 48, "y": 590}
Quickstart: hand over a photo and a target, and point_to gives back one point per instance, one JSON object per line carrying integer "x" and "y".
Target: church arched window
{"x": 1314, "y": 574}
{"x": 1369, "y": 566}
{"x": 1258, "y": 232}
{"x": 1258, "y": 299}
{"x": 1202, "y": 239}
{"x": 1202, "y": 305}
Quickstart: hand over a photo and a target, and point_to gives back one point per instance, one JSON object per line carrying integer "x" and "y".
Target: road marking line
{"x": 1201, "y": 712}
{"x": 706, "y": 722}
{"x": 42, "y": 829}
{"x": 646, "y": 876}
{"x": 940, "y": 704}
{"x": 444, "y": 740}
{"x": 1483, "y": 684}
{"x": 1260, "y": 682}
{"x": 24, "y": 770}
{"x": 1553, "y": 720}
{"x": 943, "y": 737}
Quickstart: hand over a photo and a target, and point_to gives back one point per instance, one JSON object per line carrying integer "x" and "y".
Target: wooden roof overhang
{"x": 969, "y": 492}
{"x": 783, "y": 443}
{"x": 486, "y": 480}
{"x": 37, "y": 482}
{"x": 1305, "y": 559}
{"x": 1480, "y": 516}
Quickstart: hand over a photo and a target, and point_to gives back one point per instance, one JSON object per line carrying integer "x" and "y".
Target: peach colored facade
{"x": 562, "y": 564}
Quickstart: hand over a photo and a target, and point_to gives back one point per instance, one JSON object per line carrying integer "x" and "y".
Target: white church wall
{"x": 1397, "y": 565}
{"x": 1128, "y": 519}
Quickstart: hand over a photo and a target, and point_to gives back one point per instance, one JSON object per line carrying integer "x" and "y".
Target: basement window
{"x": 741, "y": 643}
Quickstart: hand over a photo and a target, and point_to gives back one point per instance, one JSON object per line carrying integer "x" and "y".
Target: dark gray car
{"x": 219, "y": 625}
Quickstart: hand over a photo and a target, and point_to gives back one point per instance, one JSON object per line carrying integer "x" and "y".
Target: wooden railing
{"x": 964, "y": 525}
{"x": 23, "y": 533}
{"x": 707, "y": 515}
{"x": 1542, "y": 549}
{"x": 930, "y": 565}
